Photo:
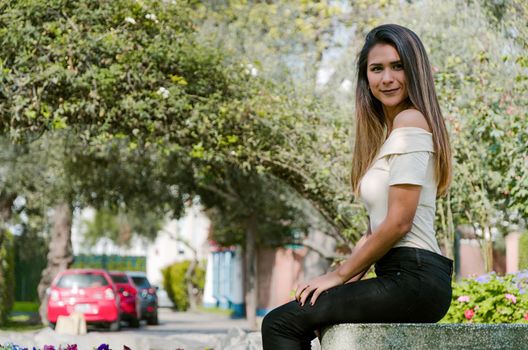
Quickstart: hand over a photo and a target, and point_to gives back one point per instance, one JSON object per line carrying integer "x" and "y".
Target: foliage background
{"x": 136, "y": 108}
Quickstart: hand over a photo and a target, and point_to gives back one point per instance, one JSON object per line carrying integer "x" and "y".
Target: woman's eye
{"x": 398, "y": 66}
{"x": 375, "y": 69}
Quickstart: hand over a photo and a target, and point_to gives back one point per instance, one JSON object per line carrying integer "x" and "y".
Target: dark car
{"x": 129, "y": 299}
{"x": 148, "y": 297}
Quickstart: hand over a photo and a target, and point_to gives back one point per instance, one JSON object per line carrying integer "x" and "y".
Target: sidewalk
{"x": 177, "y": 330}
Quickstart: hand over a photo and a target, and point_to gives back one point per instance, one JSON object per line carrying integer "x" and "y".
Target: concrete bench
{"x": 411, "y": 336}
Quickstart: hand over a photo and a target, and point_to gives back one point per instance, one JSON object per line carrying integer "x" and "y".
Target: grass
{"x": 25, "y": 306}
{"x": 24, "y": 317}
{"x": 215, "y": 310}
{"x": 21, "y": 323}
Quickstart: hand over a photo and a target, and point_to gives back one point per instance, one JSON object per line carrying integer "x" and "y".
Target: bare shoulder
{"x": 411, "y": 118}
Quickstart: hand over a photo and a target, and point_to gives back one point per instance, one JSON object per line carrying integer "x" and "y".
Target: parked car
{"x": 87, "y": 291}
{"x": 148, "y": 297}
{"x": 130, "y": 303}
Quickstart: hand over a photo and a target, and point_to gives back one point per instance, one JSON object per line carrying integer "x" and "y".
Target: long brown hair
{"x": 371, "y": 124}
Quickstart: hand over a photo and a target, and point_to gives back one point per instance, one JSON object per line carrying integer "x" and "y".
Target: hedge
{"x": 174, "y": 283}
{"x": 7, "y": 275}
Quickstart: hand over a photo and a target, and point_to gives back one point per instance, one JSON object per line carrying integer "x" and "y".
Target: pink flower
{"x": 469, "y": 313}
{"x": 511, "y": 297}
{"x": 526, "y": 316}
{"x": 463, "y": 299}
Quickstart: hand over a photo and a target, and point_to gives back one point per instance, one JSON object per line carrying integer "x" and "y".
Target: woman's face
{"x": 386, "y": 77}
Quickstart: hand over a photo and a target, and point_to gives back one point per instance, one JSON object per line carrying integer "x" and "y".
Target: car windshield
{"x": 141, "y": 282}
{"x": 119, "y": 278}
{"x": 84, "y": 280}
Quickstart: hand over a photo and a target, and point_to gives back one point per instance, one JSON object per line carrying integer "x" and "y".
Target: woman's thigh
{"x": 376, "y": 300}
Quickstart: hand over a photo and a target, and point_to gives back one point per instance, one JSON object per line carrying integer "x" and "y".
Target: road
{"x": 177, "y": 330}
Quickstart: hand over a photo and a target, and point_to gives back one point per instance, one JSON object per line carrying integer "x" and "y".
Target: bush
{"x": 7, "y": 275}
{"x": 175, "y": 285}
{"x": 490, "y": 299}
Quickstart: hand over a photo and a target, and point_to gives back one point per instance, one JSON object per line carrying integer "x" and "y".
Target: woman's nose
{"x": 387, "y": 76}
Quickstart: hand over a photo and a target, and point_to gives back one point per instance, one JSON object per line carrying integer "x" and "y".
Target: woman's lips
{"x": 390, "y": 92}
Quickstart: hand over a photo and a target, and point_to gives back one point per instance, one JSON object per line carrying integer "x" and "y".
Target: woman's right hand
{"x": 316, "y": 286}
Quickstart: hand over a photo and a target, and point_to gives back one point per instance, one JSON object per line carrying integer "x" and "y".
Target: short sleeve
{"x": 408, "y": 168}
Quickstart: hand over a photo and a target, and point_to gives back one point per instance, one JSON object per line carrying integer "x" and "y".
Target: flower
{"x": 130, "y": 20}
{"x": 71, "y": 347}
{"x": 526, "y": 316}
{"x": 511, "y": 297}
{"x": 163, "y": 92}
{"x": 48, "y": 347}
{"x": 152, "y": 17}
{"x": 251, "y": 69}
{"x": 463, "y": 299}
{"x": 103, "y": 347}
{"x": 485, "y": 278}
{"x": 469, "y": 313}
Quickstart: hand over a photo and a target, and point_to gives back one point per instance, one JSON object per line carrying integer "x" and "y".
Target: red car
{"x": 88, "y": 291}
{"x": 129, "y": 298}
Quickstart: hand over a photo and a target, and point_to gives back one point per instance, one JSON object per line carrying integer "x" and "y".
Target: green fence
{"x": 111, "y": 262}
{"x": 30, "y": 260}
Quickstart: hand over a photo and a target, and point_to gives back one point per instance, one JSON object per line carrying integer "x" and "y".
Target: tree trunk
{"x": 6, "y": 204}
{"x": 251, "y": 274}
{"x": 191, "y": 289}
{"x": 487, "y": 249}
{"x": 448, "y": 229}
{"x": 60, "y": 255}
{"x": 193, "y": 304}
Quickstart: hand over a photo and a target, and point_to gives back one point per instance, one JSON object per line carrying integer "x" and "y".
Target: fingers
{"x": 315, "y": 295}
{"x": 299, "y": 292}
{"x": 305, "y": 294}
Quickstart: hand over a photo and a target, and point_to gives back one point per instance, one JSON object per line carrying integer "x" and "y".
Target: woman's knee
{"x": 277, "y": 319}
{"x": 270, "y": 320}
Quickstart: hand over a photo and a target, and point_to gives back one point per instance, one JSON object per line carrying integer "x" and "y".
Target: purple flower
{"x": 510, "y": 297}
{"x": 522, "y": 274}
{"x": 48, "y": 347}
{"x": 463, "y": 299}
{"x": 72, "y": 347}
{"x": 484, "y": 278}
{"x": 103, "y": 347}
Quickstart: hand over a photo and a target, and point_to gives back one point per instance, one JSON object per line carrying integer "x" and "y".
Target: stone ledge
{"x": 414, "y": 336}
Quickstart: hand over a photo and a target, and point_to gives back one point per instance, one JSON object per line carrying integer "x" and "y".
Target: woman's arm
{"x": 358, "y": 246}
{"x": 402, "y": 204}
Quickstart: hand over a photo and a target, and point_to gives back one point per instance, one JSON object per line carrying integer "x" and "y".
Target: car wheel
{"x": 153, "y": 320}
{"x": 134, "y": 322}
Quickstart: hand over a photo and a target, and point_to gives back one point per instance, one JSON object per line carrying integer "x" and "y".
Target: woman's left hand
{"x": 317, "y": 286}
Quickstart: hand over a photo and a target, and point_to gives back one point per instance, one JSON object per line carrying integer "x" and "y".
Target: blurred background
{"x": 207, "y": 144}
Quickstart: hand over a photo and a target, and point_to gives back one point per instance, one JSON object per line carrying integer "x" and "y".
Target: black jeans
{"x": 412, "y": 286}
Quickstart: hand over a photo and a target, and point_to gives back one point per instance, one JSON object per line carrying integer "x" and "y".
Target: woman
{"x": 402, "y": 161}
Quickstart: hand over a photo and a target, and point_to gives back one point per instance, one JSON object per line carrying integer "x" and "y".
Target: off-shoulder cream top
{"x": 406, "y": 157}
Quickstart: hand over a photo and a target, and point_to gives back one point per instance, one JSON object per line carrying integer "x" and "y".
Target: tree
{"x": 253, "y": 211}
